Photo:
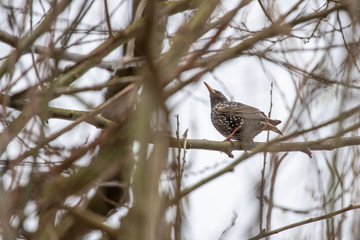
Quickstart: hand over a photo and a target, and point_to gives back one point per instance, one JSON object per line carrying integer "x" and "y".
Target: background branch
{"x": 310, "y": 220}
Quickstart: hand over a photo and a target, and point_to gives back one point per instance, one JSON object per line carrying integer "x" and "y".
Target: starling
{"x": 238, "y": 121}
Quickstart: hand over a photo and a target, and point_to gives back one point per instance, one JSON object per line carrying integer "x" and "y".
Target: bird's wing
{"x": 243, "y": 111}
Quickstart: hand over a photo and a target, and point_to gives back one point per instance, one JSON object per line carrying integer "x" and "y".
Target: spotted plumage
{"x": 227, "y": 116}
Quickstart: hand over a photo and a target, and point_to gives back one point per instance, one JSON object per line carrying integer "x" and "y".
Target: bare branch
{"x": 310, "y": 220}
{"x": 305, "y": 147}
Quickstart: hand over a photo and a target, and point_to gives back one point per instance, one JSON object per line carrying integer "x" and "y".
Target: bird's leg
{"x": 228, "y": 139}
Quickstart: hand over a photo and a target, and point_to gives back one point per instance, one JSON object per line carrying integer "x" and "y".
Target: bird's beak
{"x": 209, "y": 88}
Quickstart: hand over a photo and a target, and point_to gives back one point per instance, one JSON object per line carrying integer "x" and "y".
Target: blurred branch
{"x": 113, "y": 82}
{"x": 340, "y": 117}
{"x": 99, "y": 53}
{"x": 168, "y": 8}
{"x": 279, "y": 27}
{"x": 25, "y": 43}
{"x": 224, "y": 234}
{"x": 173, "y": 7}
{"x": 92, "y": 219}
{"x": 68, "y": 114}
{"x": 187, "y": 35}
{"x": 59, "y": 113}
{"x": 221, "y": 24}
{"x": 120, "y": 38}
{"x": 59, "y": 53}
{"x": 82, "y": 116}
{"x": 304, "y": 73}
{"x": 310, "y": 220}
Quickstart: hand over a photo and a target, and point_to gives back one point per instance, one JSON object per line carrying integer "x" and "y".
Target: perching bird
{"x": 238, "y": 121}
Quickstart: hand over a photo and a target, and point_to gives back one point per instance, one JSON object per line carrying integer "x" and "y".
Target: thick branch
{"x": 228, "y": 147}
{"x": 263, "y": 147}
{"x": 68, "y": 114}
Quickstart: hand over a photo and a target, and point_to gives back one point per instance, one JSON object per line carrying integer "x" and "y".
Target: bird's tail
{"x": 268, "y": 126}
{"x": 274, "y": 122}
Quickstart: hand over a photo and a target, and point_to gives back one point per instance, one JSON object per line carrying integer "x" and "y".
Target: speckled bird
{"x": 238, "y": 121}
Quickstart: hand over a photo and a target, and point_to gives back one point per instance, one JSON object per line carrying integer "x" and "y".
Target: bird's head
{"x": 215, "y": 96}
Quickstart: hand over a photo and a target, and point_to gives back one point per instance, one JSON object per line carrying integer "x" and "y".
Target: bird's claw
{"x": 228, "y": 139}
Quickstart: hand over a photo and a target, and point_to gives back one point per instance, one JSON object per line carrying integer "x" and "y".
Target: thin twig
{"x": 310, "y": 220}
